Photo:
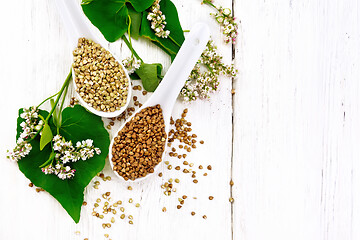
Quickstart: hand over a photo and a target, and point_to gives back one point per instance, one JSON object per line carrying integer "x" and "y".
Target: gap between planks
{"x": 232, "y": 128}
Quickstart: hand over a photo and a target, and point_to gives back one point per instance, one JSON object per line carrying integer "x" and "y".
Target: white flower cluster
{"x": 157, "y": 20}
{"x": 29, "y": 127}
{"x": 228, "y": 25}
{"x": 21, "y": 149}
{"x": 201, "y": 83}
{"x": 65, "y": 152}
{"x": 131, "y": 64}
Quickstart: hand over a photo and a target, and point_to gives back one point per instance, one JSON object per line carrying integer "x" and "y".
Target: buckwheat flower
{"x": 66, "y": 153}
{"x": 75, "y": 157}
{"x": 201, "y": 83}
{"x": 56, "y": 138}
{"x": 227, "y": 22}
{"x": 20, "y": 141}
{"x": 97, "y": 151}
{"x": 67, "y": 157}
{"x": 62, "y": 175}
{"x": 38, "y": 127}
{"x": 57, "y": 146}
{"x": 131, "y": 64}
{"x": 88, "y": 143}
{"x": 25, "y": 134}
{"x": 48, "y": 169}
{"x": 157, "y": 20}
{"x": 219, "y": 19}
{"x": 29, "y": 128}
{"x": 67, "y": 144}
{"x": 70, "y": 174}
{"x": 21, "y": 150}
{"x": 226, "y": 11}
{"x": 83, "y": 154}
{"x": 31, "y": 125}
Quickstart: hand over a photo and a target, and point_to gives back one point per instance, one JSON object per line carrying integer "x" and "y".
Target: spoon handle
{"x": 75, "y": 22}
{"x": 189, "y": 53}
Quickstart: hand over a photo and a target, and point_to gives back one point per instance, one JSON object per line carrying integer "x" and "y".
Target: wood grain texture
{"x": 37, "y": 41}
{"x": 291, "y": 146}
{"x": 296, "y": 120}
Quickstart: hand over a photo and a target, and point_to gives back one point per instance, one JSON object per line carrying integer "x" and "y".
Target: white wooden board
{"x": 296, "y": 120}
{"x": 39, "y": 38}
{"x": 291, "y": 146}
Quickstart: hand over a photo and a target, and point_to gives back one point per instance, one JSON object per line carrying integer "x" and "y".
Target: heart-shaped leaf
{"x": 77, "y": 124}
{"x": 173, "y": 25}
{"x": 135, "y": 22}
{"x": 111, "y": 16}
{"x": 149, "y": 75}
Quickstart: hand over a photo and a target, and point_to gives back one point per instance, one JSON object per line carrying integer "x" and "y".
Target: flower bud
{"x": 226, "y": 11}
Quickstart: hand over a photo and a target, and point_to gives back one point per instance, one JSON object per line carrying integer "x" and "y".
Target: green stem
{"x": 210, "y": 3}
{"x": 66, "y": 83}
{"x": 60, "y": 110}
{"x": 47, "y": 99}
{"x": 63, "y": 100}
{"x": 55, "y": 120}
{"x": 50, "y": 160}
{"x": 132, "y": 54}
{"x": 208, "y": 67}
{"x": 131, "y": 48}
{"x": 186, "y": 30}
{"x": 174, "y": 41}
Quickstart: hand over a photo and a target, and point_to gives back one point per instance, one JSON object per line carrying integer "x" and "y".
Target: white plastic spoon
{"x": 169, "y": 88}
{"x": 77, "y": 27}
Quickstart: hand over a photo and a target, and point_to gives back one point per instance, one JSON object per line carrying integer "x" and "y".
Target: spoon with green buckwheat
{"x": 101, "y": 82}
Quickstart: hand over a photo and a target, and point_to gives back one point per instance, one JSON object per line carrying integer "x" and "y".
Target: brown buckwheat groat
{"x": 139, "y": 146}
{"x": 100, "y": 80}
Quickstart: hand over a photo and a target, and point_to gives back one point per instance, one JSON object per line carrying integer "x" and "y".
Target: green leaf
{"x": 149, "y": 75}
{"x": 134, "y": 76}
{"x": 159, "y": 68}
{"x": 173, "y": 25}
{"x": 46, "y": 136}
{"x": 135, "y": 22}
{"x": 140, "y": 5}
{"x": 77, "y": 124}
{"x": 111, "y": 16}
{"x": 52, "y": 155}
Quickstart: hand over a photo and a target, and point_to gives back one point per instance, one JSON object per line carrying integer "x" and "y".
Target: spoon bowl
{"x": 101, "y": 113}
{"x": 169, "y": 88}
{"x": 77, "y": 27}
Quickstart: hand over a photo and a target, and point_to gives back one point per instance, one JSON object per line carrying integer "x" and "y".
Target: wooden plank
{"x": 37, "y": 35}
{"x": 296, "y": 169}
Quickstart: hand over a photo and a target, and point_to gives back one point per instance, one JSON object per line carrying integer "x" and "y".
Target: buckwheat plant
{"x": 64, "y": 152}
{"x": 157, "y": 19}
{"x": 200, "y": 83}
{"x": 30, "y": 127}
{"x": 227, "y": 22}
{"x": 131, "y": 64}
